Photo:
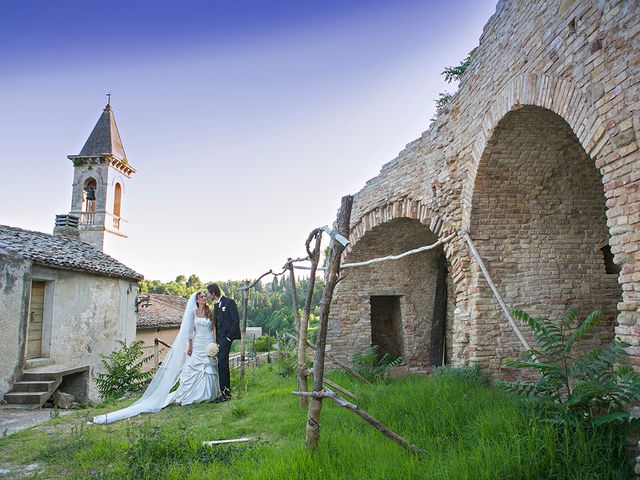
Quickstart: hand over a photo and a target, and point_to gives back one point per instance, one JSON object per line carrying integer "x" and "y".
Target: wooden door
{"x": 36, "y": 313}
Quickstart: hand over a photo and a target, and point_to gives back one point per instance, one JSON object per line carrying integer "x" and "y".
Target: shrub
{"x": 372, "y": 365}
{"x": 123, "y": 371}
{"x": 286, "y": 363}
{"x": 590, "y": 386}
{"x": 262, "y": 344}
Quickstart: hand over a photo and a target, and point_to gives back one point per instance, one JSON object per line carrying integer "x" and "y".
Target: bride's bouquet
{"x": 212, "y": 350}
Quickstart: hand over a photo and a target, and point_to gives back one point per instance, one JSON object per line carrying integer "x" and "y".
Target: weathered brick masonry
{"x": 538, "y": 159}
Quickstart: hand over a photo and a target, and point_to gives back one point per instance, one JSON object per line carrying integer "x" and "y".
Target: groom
{"x": 228, "y": 330}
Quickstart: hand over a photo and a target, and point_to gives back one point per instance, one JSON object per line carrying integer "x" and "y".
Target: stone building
{"x": 159, "y": 317}
{"x": 537, "y": 157}
{"x": 63, "y": 303}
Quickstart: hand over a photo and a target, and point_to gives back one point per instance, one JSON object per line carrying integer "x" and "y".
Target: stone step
{"x": 34, "y": 386}
{"x": 26, "y": 398}
{"x": 38, "y": 362}
{"x": 37, "y": 377}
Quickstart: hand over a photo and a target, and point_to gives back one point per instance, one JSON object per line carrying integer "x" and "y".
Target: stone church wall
{"x": 15, "y": 281}
{"x": 91, "y": 313}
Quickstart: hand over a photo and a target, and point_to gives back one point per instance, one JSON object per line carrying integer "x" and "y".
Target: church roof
{"x": 157, "y": 310}
{"x": 104, "y": 138}
{"x": 63, "y": 252}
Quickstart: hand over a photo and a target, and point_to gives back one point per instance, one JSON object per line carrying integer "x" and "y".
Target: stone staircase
{"x": 37, "y": 384}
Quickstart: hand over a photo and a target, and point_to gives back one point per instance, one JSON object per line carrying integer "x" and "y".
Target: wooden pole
{"x": 464, "y": 234}
{"x": 156, "y": 360}
{"x": 314, "y": 256}
{"x": 331, "y": 279}
{"x": 294, "y": 294}
{"x": 245, "y": 302}
{"x": 269, "y": 347}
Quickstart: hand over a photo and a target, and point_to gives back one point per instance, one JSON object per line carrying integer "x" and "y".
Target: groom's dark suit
{"x": 228, "y": 330}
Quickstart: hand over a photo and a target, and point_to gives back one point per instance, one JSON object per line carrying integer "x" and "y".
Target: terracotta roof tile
{"x": 158, "y": 310}
{"x": 63, "y": 252}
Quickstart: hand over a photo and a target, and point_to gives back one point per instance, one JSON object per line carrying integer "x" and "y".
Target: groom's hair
{"x": 214, "y": 290}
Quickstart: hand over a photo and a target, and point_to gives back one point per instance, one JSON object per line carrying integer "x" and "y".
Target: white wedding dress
{"x": 198, "y": 374}
{"x": 199, "y": 377}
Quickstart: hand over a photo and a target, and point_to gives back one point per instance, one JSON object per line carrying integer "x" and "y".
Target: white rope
{"x": 402, "y": 255}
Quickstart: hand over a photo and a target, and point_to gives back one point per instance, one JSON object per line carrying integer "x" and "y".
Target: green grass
{"x": 468, "y": 431}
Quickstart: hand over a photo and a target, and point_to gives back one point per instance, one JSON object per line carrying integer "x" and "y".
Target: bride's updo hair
{"x": 207, "y": 310}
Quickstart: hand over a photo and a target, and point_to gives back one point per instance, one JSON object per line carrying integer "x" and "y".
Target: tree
{"x": 194, "y": 281}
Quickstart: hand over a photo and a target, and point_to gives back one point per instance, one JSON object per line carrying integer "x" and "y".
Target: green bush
{"x": 123, "y": 371}
{"x": 373, "y": 366}
{"x": 591, "y": 386}
{"x": 286, "y": 363}
{"x": 262, "y": 344}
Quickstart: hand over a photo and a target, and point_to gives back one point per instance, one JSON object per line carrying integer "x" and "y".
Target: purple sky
{"x": 246, "y": 120}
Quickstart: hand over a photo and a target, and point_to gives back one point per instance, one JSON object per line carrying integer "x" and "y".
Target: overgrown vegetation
{"x": 373, "y": 366}
{"x": 455, "y": 73}
{"x": 468, "y": 431}
{"x": 575, "y": 385}
{"x": 123, "y": 371}
{"x": 451, "y": 74}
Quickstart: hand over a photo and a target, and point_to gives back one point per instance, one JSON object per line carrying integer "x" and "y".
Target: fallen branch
{"x": 342, "y": 390}
{"x": 402, "y": 255}
{"x": 374, "y": 422}
{"x": 231, "y": 440}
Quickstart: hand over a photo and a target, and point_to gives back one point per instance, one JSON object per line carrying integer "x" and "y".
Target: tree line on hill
{"x": 270, "y": 304}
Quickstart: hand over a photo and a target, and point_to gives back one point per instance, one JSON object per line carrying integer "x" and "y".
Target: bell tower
{"x": 101, "y": 173}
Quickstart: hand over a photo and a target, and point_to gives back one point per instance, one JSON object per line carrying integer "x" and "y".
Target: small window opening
{"x": 609, "y": 265}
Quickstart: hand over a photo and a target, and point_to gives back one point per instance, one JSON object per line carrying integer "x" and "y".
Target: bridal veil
{"x": 158, "y": 394}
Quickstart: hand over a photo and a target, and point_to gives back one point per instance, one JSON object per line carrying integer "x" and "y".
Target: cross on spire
{"x": 108, "y": 98}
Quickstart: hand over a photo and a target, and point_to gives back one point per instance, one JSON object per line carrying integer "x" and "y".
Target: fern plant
{"x": 123, "y": 371}
{"x": 591, "y": 386}
{"x": 373, "y": 366}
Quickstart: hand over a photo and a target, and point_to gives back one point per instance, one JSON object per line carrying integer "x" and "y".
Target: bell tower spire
{"x": 101, "y": 173}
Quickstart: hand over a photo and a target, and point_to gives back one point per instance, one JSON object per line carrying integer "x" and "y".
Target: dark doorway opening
{"x": 438, "y": 327}
{"x": 386, "y": 324}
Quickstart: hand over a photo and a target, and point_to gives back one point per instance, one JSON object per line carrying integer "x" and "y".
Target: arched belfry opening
{"x": 117, "y": 203}
{"x": 90, "y": 192}
{"x": 538, "y": 220}
{"x": 404, "y": 306}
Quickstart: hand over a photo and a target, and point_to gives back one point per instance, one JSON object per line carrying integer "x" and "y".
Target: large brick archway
{"x": 411, "y": 282}
{"x": 538, "y": 220}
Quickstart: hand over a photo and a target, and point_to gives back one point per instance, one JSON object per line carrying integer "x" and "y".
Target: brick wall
{"x": 579, "y": 63}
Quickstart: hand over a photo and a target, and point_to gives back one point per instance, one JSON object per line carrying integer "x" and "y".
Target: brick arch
{"x": 547, "y": 91}
{"x": 403, "y": 208}
{"x": 539, "y": 221}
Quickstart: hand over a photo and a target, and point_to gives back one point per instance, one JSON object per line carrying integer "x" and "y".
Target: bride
{"x": 187, "y": 360}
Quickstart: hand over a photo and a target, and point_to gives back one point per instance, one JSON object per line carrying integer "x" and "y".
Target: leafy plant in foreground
{"x": 591, "y": 386}
{"x": 374, "y": 366}
{"x": 123, "y": 371}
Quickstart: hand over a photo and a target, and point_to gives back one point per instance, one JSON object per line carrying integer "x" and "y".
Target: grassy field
{"x": 468, "y": 431}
